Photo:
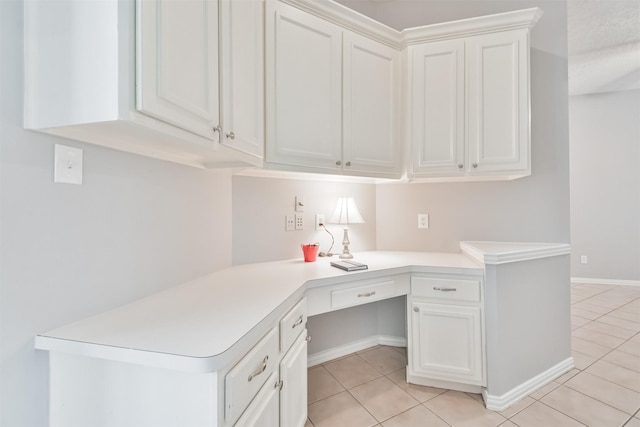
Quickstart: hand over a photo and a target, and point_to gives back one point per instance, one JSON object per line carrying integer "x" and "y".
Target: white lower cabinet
{"x": 267, "y": 388}
{"x": 293, "y": 392}
{"x": 264, "y": 411}
{"x": 446, "y": 339}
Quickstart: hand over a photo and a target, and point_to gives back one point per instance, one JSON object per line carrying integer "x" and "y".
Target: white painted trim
{"x": 502, "y": 253}
{"x": 348, "y": 18}
{"x": 500, "y": 403}
{"x": 518, "y": 19}
{"x": 593, "y": 281}
{"x": 352, "y": 347}
{"x": 354, "y": 21}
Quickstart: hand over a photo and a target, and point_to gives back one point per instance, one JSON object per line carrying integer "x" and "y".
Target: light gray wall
{"x": 532, "y": 209}
{"x": 261, "y": 204}
{"x": 605, "y": 185}
{"x": 527, "y": 320}
{"x": 134, "y": 227}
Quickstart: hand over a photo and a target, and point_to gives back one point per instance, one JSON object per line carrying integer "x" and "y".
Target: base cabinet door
{"x": 447, "y": 342}
{"x": 264, "y": 410}
{"x": 293, "y": 377}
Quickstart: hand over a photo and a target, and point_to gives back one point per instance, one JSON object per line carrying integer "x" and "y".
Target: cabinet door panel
{"x": 264, "y": 410}
{"x": 304, "y": 114}
{"x": 177, "y": 70}
{"x": 498, "y": 101}
{"x": 438, "y": 108}
{"x": 447, "y": 342}
{"x": 293, "y": 374}
{"x": 371, "y": 105}
{"x": 242, "y": 88}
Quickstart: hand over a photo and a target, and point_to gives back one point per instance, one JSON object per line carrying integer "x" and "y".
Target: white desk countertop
{"x": 192, "y": 325}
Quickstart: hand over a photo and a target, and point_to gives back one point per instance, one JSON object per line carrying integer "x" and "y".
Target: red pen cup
{"x": 310, "y": 252}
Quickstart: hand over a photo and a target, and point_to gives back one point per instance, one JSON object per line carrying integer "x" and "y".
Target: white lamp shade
{"x": 346, "y": 212}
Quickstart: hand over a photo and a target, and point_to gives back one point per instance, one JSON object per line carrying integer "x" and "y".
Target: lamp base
{"x": 345, "y": 245}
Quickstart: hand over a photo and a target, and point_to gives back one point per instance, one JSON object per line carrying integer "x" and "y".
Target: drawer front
{"x": 454, "y": 289}
{"x": 246, "y": 378}
{"x": 341, "y": 298}
{"x": 292, "y": 325}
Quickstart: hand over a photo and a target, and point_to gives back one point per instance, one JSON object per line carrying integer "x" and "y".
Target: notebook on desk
{"x": 349, "y": 265}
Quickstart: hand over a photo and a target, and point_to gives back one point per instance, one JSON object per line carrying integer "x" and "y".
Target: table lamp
{"x": 346, "y": 213}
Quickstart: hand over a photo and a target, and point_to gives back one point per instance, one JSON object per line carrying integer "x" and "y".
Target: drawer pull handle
{"x": 368, "y": 294}
{"x": 435, "y": 288}
{"x": 261, "y": 370}
{"x": 298, "y": 322}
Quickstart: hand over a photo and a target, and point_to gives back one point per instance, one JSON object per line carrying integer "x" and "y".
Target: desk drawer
{"x": 363, "y": 294}
{"x": 454, "y": 289}
{"x": 292, "y": 324}
{"x": 244, "y": 381}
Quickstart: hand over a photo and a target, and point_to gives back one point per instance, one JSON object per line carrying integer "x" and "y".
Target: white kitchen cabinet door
{"x": 293, "y": 374}
{"x": 264, "y": 410}
{"x": 438, "y": 101}
{"x": 177, "y": 69}
{"x": 498, "y": 102}
{"x": 242, "y": 72}
{"x": 371, "y": 107}
{"x": 303, "y": 90}
{"x": 447, "y": 342}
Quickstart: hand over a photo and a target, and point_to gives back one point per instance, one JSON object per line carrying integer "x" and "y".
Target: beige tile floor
{"x": 367, "y": 388}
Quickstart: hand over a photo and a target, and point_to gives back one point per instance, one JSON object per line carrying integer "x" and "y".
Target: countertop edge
{"x": 496, "y": 253}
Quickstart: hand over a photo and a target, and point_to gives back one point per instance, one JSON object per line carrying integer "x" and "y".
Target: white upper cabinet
{"x": 304, "y": 114}
{"x": 498, "y": 103}
{"x": 333, "y": 97}
{"x": 145, "y": 77}
{"x": 371, "y": 106}
{"x": 469, "y": 98}
{"x": 242, "y": 72}
{"x": 437, "y": 113}
{"x": 177, "y": 72}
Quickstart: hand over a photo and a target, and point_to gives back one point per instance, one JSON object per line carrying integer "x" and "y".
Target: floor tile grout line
{"x": 596, "y": 399}
{"x": 565, "y": 414}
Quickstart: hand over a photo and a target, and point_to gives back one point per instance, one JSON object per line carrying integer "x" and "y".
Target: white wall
{"x": 134, "y": 227}
{"x": 260, "y": 206}
{"x": 605, "y": 185}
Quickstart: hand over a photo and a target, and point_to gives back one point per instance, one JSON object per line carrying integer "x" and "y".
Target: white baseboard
{"x": 592, "y": 281}
{"x": 500, "y": 403}
{"x": 352, "y": 347}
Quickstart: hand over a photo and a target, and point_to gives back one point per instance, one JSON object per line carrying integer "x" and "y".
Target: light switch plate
{"x": 423, "y": 220}
{"x": 67, "y": 167}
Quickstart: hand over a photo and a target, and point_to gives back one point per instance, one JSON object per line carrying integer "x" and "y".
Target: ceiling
{"x": 604, "y": 45}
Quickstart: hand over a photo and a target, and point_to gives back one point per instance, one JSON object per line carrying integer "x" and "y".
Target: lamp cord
{"x": 328, "y": 253}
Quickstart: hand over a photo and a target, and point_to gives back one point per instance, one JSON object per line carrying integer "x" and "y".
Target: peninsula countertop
{"x": 192, "y": 326}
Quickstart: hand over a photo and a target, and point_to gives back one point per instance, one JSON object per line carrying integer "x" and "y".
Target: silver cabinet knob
{"x": 416, "y": 309}
{"x": 348, "y": 163}
{"x": 475, "y": 165}
{"x": 338, "y": 163}
{"x": 460, "y": 165}
{"x": 217, "y": 128}
{"x": 231, "y": 135}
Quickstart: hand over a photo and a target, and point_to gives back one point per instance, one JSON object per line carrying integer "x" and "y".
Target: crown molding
{"x": 519, "y": 19}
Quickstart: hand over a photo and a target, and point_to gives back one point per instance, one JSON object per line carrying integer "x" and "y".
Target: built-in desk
{"x": 160, "y": 358}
